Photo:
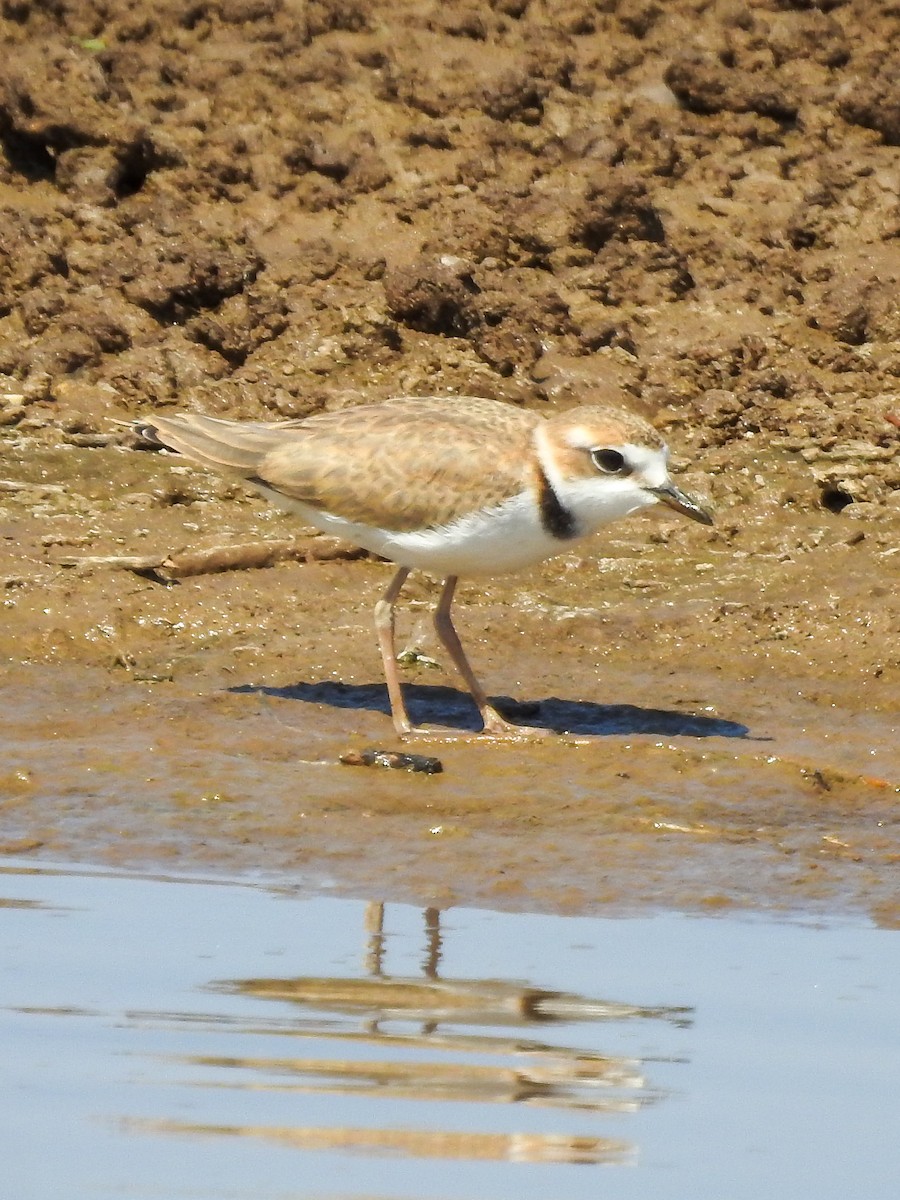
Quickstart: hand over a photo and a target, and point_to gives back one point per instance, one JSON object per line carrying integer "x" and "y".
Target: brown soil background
{"x": 261, "y": 208}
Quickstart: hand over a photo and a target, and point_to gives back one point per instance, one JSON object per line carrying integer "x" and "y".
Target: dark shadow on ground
{"x": 434, "y": 705}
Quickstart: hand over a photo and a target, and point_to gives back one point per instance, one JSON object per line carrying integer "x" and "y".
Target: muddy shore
{"x": 259, "y": 208}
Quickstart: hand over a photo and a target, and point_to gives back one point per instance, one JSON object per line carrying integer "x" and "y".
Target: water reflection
{"x": 197, "y": 1040}
{"x": 422, "y": 1038}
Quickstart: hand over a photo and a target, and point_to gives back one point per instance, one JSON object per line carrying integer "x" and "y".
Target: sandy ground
{"x": 262, "y": 208}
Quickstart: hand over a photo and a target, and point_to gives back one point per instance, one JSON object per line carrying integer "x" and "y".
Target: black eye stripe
{"x": 610, "y": 462}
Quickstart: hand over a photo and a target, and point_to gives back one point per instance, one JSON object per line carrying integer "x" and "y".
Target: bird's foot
{"x": 439, "y": 733}
{"x": 496, "y": 728}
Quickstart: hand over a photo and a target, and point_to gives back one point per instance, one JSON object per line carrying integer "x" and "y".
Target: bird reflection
{"x": 376, "y": 942}
{"x": 456, "y": 1045}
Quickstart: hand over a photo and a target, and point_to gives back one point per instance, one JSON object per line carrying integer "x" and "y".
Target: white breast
{"x": 509, "y": 537}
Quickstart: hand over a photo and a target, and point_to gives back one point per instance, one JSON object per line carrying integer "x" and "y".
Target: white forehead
{"x": 643, "y": 449}
{"x": 648, "y": 463}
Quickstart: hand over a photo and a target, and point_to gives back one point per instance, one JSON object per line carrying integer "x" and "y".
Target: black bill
{"x": 682, "y": 502}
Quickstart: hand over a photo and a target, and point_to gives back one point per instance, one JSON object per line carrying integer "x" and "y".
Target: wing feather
{"x": 405, "y": 464}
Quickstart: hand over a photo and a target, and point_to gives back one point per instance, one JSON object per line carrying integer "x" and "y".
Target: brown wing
{"x": 404, "y": 464}
{"x": 235, "y": 447}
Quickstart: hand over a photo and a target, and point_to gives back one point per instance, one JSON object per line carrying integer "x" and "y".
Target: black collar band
{"x": 556, "y": 519}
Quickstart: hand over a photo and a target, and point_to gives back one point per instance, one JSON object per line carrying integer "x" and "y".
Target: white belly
{"x": 507, "y": 538}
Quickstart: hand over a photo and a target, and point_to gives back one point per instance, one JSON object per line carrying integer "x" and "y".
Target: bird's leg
{"x": 443, "y": 623}
{"x": 494, "y": 724}
{"x": 384, "y": 627}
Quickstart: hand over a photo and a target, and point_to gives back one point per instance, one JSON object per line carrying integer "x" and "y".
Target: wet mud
{"x": 262, "y": 209}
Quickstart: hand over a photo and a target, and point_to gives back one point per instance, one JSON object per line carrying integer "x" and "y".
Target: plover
{"x": 454, "y": 486}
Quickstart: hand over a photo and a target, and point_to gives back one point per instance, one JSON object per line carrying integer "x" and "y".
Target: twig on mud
{"x": 893, "y": 418}
{"x": 91, "y": 441}
{"x": 258, "y": 554}
{"x": 141, "y": 563}
{"x": 250, "y": 556}
{"x": 20, "y": 485}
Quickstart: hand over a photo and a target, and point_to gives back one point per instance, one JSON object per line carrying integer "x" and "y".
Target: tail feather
{"x": 236, "y": 446}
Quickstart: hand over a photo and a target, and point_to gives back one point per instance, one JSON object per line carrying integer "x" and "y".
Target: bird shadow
{"x": 431, "y": 704}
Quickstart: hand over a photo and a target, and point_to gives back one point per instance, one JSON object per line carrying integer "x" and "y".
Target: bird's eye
{"x": 610, "y": 462}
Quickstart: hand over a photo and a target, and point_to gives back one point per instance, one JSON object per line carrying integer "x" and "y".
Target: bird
{"x": 455, "y": 486}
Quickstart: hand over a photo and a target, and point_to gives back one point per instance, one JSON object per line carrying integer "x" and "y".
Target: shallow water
{"x": 173, "y": 1037}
